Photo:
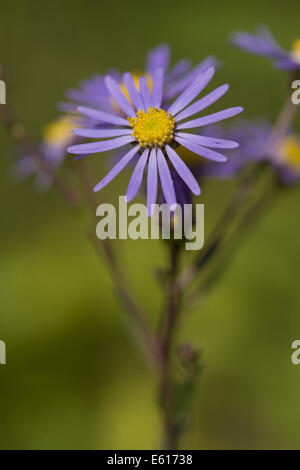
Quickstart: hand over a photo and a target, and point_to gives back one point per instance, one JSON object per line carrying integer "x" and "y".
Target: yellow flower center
{"x": 152, "y": 128}
{"x": 290, "y": 152}
{"x": 60, "y": 131}
{"x": 296, "y": 50}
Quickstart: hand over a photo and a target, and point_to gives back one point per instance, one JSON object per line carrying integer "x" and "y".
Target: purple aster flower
{"x": 263, "y": 43}
{"x": 56, "y": 137}
{"x": 154, "y": 130}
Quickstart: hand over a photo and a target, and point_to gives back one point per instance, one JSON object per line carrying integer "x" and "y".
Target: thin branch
{"x": 219, "y": 232}
{"x": 283, "y": 122}
{"x": 104, "y": 247}
{"x": 123, "y": 290}
{"x": 252, "y": 216}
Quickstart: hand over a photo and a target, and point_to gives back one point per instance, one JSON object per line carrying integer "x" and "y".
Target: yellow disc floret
{"x": 152, "y": 128}
{"x": 296, "y": 51}
{"x": 290, "y": 152}
{"x": 59, "y": 132}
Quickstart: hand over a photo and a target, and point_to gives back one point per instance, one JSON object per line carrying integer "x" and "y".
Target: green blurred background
{"x": 74, "y": 378}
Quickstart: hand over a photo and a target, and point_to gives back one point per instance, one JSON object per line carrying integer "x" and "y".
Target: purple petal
{"x": 158, "y": 58}
{"x": 152, "y": 182}
{"x": 91, "y": 92}
{"x": 101, "y": 133}
{"x": 248, "y": 42}
{"x": 180, "y": 85}
{"x": 133, "y": 92}
{"x": 102, "y": 117}
{"x": 101, "y": 146}
{"x": 157, "y": 89}
{"x": 208, "y": 141}
{"x": 183, "y": 171}
{"x": 166, "y": 179}
{"x": 191, "y": 91}
{"x": 119, "y": 96}
{"x": 210, "y": 118}
{"x": 117, "y": 168}
{"x": 202, "y": 151}
{"x": 144, "y": 90}
{"x": 137, "y": 176}
{"x": 179, "y": 69}
{"x": 266, "y": 34}
{"x": 203, "y": 103}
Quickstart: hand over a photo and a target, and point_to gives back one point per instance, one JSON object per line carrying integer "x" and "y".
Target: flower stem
{"x": 166, "y": 385}
{"x": 250, "y": 217}
{"x": 283, "y": 122}
{"x": 219, "y": 232}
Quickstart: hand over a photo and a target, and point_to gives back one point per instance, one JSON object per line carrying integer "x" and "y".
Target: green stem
{"x": 166, "y": 385}
{"x": 250, "y": 217}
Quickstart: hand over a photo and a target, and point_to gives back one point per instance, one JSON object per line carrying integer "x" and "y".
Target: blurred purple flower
{"x": 252, "y": 138}
{"x": 56, "y": 137}
{"x": 255, "y": 146}
{"x": 263, "y": 43}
